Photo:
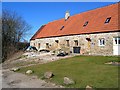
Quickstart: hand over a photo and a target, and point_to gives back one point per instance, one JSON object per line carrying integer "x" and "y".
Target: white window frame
{"x": 100, "y": 42}
{"x": 117, "y": 38}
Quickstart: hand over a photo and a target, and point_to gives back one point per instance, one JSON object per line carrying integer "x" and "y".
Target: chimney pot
{"x": 67, "y": 15}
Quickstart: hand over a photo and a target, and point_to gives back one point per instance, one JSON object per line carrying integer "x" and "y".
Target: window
{"x": 108, "y": 20}
{"x": 61, "y": 27}
{"x": 38, "y": 45}
{"x": 34, "y": 44}
{"x": 117, "y": 41}
{"x": 102, "y": 42}
{"x": 47, "y": 45}
{"x": 67, "y": 42}
{"x": 88, "y": 39}
{"x": 86, "y": 23}
{"x": 76, "y": 42}
{"x": 56, "y": 41}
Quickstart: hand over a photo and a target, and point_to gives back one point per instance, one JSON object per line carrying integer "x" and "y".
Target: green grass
{"x": 84, "y": 70}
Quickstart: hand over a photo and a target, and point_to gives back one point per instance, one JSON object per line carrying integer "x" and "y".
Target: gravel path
{"x": 17, "y": 80}
{"x": 12, "y": 79}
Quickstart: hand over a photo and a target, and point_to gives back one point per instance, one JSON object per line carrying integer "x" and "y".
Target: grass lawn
{"x": 84, "y": 70}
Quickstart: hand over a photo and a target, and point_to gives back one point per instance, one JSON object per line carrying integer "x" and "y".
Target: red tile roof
{"x": 74, "y": 25}
{"x": 34, "y": 36}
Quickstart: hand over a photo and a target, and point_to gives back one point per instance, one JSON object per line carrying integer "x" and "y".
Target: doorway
{"x": 116, "y": 46}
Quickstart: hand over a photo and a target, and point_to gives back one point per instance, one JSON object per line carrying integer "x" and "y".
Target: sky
{"x": 60, "y": 0}
{"x": 39, "y": 13}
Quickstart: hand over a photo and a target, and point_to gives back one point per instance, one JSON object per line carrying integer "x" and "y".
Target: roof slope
{"x": 74, "y": 25}
{"x": 35, "y": 35}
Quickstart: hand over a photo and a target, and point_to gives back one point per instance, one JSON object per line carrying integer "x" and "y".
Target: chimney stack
{"x": 67, "y": 15}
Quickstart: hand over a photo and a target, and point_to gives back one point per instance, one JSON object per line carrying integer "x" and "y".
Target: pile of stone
{"x": 31, "y": 54}
{"x": 113, "y": 63}
{"x": 29, "y": 72}
{"x": 89, "y": 87}
{"x": 48, "y": 75}
{"x": 15, "y": 69}
{"x": 68, "y": 81}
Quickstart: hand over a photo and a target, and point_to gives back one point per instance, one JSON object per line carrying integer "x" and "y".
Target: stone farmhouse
{"x": 94, "y": 32}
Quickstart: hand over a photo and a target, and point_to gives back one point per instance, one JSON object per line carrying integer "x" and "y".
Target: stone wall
{"x": 87, "y": 47}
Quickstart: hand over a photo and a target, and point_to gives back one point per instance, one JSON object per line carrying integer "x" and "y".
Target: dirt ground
{"x": 12, "y": 79}
{"x": 17, "y": 80}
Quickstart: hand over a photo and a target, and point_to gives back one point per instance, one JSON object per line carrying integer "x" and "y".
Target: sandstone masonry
{"x": 88, "y": 43}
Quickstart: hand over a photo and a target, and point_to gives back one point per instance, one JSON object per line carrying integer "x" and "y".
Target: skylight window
{"x": 108, "y": 20}
{"x": 86, "y": 23}
{"x": 61, "y": 27}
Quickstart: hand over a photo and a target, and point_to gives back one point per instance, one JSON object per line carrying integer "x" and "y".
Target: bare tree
{"x": 14, "y": 27}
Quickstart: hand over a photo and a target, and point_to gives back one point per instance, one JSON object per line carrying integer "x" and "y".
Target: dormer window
{"x": 61, "y": 27}
{"x": 108, "y": 20}
{"x": 86, "y": 23}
